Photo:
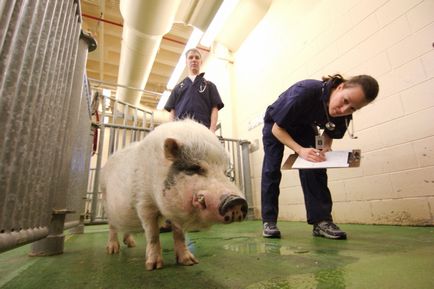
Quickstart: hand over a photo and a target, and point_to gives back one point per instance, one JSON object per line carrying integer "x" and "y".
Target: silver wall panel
{"x": 45, "y": 127}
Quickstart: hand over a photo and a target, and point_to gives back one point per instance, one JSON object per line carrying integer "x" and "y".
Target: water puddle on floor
{"x": 267, "y": 246}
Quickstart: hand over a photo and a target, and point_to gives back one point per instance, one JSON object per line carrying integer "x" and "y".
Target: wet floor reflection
{"x": 308, "y": 267}
{"x": 265, "y": 246}
{"x": 330, "y": 279}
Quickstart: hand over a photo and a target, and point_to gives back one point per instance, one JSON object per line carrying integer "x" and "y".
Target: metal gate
{"x": 117, "y": 124}
{"x": 44, "y": 122}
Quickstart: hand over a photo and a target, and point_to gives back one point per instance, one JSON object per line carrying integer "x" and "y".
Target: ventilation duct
{"x": 246, "y": 15}
{"x": 145, "y": 23}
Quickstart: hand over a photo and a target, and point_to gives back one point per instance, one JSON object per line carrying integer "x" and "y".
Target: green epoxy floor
{"x": 236, "y": 256}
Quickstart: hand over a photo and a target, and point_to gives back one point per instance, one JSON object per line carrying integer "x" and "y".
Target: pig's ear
{"x": 172, "y": 149}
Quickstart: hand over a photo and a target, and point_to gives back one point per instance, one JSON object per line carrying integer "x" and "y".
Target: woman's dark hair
{"x": 368, "y": 84}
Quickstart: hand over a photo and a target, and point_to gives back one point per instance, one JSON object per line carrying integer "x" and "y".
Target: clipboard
{"x": 353, "y": 161}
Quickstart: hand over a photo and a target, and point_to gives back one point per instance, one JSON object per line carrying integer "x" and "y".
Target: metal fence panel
{"x": 44, "y": 120}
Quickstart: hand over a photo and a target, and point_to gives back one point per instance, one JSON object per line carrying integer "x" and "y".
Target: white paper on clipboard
{"x": 334, "y": 159}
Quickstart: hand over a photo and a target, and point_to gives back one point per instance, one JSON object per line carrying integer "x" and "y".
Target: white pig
{"x": 177, "y": 173}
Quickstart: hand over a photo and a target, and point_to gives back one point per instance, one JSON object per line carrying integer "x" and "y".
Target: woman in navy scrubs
{"x": 294, "y": 120}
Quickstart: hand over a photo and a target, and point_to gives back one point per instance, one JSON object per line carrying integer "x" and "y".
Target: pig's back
{"x": 119, "y": 164}
{"x": 203, "y": 143}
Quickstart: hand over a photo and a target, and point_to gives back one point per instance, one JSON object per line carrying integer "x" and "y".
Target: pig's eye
{"x": 194, "y": 169}
{"x": 188, "y": 168}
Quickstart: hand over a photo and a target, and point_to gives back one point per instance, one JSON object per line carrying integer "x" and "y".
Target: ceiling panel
{"x": 104, "y": 21}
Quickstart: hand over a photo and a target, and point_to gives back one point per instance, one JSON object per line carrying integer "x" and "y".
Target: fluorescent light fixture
{"x": 219, "y": 19}
{"x": 193, "y": 41}
{"x": 163, "y": 99}
{"x": 106, "y": 92}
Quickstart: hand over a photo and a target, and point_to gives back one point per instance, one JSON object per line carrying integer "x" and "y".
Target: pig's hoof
{"x": 186, "y": 259}
{"x": 154, "y": 264}
{"x": 113, "y": 247}
{"x": 129, "y": 241}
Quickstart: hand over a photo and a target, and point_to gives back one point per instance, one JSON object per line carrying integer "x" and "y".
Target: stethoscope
{"x": 331, "y": 125}
{"x": 202, "y": 86}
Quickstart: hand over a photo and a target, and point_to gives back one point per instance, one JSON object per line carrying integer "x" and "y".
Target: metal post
{"x": 247, "y": 178}
{"x": 76, "y": 228}
{"x": 239, "y": 166}
{"x": 98, "y": 164}
{"x": 53, "y": 244}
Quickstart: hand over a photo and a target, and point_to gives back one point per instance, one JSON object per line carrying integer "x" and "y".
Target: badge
{"x": 319, "y": 142}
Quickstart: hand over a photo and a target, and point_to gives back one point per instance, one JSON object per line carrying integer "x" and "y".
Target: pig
{"x": 177, "y": 172}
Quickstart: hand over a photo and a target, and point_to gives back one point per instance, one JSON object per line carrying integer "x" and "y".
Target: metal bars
{"x": 44, "y": 119}
{"x": 239, "y": 166}
{"x": 120, "y": 124}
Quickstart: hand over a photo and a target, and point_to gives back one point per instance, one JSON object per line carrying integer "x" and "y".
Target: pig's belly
{"x": 121, "y": 213}
{"x": 125, "y": 220}
{"x": 119, "y": 204}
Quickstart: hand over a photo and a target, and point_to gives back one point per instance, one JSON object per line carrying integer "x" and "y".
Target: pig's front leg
{"x": 183, "y": 255}
{"x": 113, "y": 246}
{"x": 154, "y": 258}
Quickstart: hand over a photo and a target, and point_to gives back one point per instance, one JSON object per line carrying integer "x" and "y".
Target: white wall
{"x": 218, "y": 68}
{"x": 390, "y": 40}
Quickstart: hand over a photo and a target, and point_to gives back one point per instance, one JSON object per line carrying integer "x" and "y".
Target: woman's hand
{"x": 313, "y": 155}
{"x": 326, "y": 149}
{"x": 309, "y": 154}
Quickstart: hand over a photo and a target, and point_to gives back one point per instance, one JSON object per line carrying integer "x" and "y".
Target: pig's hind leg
{"x": 129, "y": 240}
{"x": 113, "y": 246}
{"x": 183, "y": 255}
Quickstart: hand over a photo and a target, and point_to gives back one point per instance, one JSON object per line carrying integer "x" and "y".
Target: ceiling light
{"x": 163, "y": 99}
{"x": 106, "y": 92}
{"x": 217, "y": 23}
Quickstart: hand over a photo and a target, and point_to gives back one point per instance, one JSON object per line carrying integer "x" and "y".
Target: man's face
{"x": 194, "y": 62}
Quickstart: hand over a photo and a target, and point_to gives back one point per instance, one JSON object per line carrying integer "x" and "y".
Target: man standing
{"x": 195, "y": 97}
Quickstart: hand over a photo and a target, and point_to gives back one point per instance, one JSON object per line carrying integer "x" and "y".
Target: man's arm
{"x": 214, "y": 118}
{"x": 172, "y": 115}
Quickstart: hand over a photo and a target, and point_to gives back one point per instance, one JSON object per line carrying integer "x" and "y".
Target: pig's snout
{"x": 233, "y": 208}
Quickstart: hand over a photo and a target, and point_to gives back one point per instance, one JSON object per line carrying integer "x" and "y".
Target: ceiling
{"x": 102, "y": 18}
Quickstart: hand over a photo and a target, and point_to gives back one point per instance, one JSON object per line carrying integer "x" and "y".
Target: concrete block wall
{"x": 391, "y": 40}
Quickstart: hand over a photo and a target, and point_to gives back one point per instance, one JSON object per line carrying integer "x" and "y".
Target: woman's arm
{"x": 327, "y": 143}
{"x": 309, "y": 154}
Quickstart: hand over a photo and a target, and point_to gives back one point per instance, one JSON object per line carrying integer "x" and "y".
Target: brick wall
{"x": 392, "y": 41}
